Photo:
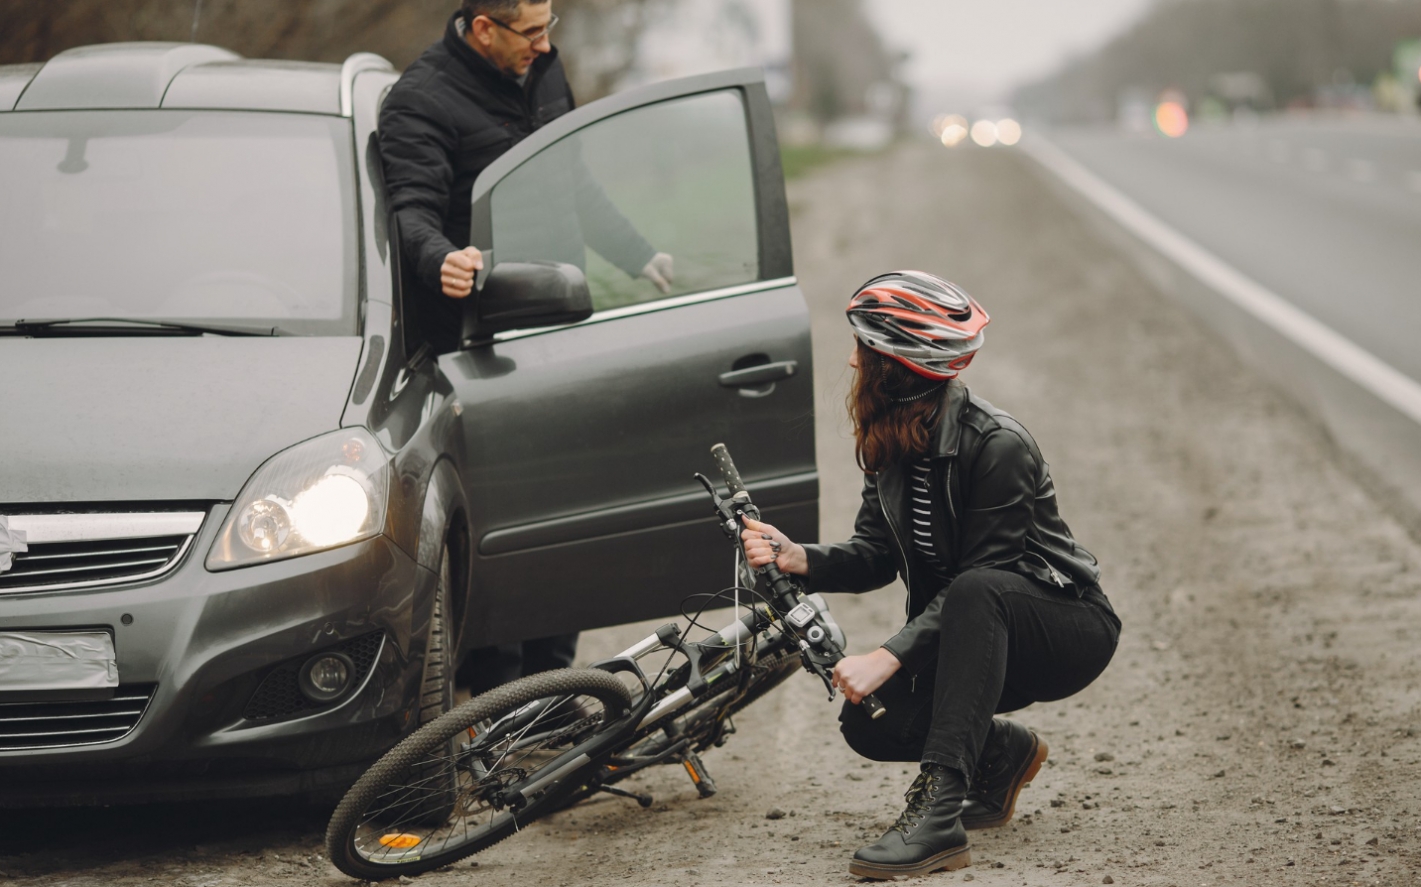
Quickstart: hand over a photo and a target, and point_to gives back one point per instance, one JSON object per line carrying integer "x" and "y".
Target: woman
{"x": 1004, "y": 606}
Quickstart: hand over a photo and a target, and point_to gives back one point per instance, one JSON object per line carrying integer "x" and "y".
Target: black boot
{"x": 927, "y": 837}
{"x": 1009, "y": 761}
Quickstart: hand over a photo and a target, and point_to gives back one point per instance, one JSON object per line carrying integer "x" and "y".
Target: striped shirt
{"x": 920, "y": 492}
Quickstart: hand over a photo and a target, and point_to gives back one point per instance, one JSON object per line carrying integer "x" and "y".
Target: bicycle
{"x": 496, "y": 763}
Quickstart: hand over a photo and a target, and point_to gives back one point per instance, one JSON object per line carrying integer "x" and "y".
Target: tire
{"x": 460, "y": 761}
{"x": 436, "y": 696}
{"x": 436, "y": 689}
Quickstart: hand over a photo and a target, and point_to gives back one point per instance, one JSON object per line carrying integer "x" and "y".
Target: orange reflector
{"x": 399, "y": 840}
{"x": 695, "y": 777}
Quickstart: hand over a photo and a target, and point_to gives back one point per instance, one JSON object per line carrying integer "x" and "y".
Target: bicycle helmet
{"x": 927, "y": 324}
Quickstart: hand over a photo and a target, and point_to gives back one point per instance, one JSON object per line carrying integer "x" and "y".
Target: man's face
{"x": 506, "y": 44}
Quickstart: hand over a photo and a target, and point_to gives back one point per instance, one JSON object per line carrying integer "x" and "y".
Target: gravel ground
{"x": 1260, "y": 723}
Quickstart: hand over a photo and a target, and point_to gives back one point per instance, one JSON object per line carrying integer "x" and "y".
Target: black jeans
{"x": 1007, "y": 641}
{"x": 488, "y": 667}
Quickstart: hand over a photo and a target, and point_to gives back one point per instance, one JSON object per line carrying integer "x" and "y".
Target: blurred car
{"x": 249, "y": 518}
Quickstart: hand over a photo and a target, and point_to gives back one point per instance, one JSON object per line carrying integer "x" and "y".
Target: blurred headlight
{"x": 329, "y": 491}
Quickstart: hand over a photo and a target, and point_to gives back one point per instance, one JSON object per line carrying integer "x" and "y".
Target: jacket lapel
{"x": 949, "y": 423}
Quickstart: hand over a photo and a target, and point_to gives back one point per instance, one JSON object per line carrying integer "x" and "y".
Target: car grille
{"x": 82, "y": 550}
{"x": 29, "y": 725}
{"x": 279, "y": 696}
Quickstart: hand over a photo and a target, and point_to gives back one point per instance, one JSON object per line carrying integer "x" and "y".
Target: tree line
{"x": 312, "y": 30}
{"x": 1295, "y": 48}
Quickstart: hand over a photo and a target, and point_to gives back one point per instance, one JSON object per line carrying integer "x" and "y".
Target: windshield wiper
{"x": 93, "y": 326}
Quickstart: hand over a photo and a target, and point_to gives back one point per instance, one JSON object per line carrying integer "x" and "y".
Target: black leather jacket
{"x": 995, "y": 507}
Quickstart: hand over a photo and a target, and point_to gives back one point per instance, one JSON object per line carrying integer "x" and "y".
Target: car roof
{"x": 180, "y": 75}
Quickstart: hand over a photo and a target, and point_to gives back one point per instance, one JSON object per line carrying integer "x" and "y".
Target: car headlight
{"x": 329, "y": 491}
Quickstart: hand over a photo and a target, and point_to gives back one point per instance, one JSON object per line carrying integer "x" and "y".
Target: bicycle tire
{"x": 496, "y": 706}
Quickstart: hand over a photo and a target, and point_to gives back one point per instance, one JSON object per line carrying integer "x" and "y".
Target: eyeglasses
{"x": 531, "y": 38}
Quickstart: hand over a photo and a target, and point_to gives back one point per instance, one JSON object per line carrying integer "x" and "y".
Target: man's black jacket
{"x": 450, "y": 115}
{"x": 994, "y": 506}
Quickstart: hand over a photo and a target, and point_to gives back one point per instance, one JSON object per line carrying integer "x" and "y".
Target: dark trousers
{"x": 1007, "y": 641}
{"x": 488, "y": 667}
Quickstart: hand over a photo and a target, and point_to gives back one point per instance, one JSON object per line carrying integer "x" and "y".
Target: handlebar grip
{"x": 727, "y": 470}
{"x": 874, "y": 707}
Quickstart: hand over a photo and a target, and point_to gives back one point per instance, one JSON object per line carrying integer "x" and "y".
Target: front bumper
{"x": 205, "y": 642}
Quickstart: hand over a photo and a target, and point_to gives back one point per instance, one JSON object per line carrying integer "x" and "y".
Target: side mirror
{"x": 522, "y": 295}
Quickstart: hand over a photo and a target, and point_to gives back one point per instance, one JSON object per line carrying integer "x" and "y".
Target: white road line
{"x": 1413, "y": 180}
{"x": 1343, "y": 355}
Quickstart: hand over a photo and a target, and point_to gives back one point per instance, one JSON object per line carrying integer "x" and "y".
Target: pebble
{"x": 1220, "y": 774}
{"x": 968, "y": 877}
{"x": 1103, "y": 756}
{"x": 1107, "y": 880}
{"x": 1298, "y": 744}
{"x": 775, "y": 813}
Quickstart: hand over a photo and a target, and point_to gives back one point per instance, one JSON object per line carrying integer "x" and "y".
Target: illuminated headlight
{"x": 328, "y": 491}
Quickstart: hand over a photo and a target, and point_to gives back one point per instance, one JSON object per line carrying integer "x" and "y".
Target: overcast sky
{"x": 969, "y": 52}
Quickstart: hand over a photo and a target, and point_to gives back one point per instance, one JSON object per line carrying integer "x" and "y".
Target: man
{"x": 492, "y": 81}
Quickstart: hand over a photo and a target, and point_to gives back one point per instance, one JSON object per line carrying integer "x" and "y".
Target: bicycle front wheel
{"x": 437, "y": 796}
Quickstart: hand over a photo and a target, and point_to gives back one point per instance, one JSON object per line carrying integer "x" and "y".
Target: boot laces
{"x": 918, "y": 799}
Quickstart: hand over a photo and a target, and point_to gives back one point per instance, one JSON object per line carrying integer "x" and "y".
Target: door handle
{"x": 761, "y": 374}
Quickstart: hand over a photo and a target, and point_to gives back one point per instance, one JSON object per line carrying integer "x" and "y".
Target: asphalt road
{"x": 1261, "y": 722}
{"x": 1325, "y": 212}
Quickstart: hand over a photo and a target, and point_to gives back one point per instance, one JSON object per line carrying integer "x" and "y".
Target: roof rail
{"x": 361, "y": 61}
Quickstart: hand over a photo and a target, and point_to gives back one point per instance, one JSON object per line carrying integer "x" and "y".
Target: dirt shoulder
{"x": 1260, "y": 723}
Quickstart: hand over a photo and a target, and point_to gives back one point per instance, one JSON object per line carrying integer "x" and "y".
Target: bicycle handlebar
{"x": 727, "y": 471}
{"x": 781, "y": 583}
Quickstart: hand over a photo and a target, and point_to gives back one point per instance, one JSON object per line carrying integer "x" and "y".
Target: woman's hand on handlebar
{"x": 859, "y": 676}
{"x": 764, "y": 543}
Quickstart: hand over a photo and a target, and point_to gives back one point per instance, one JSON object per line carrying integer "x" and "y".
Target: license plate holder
{"x": 45, "y": 665}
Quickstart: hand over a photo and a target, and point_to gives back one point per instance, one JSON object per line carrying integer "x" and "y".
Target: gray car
{"x": 248, "y": 519}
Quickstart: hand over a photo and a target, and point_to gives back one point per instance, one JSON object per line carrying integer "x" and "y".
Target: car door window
{"x": 672, "y": 178}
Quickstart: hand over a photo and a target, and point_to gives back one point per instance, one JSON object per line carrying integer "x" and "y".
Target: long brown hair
{"x": 887, "y": 430}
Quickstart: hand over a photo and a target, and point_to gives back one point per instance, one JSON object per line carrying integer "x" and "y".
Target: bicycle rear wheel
{"x": 434, "y": 798}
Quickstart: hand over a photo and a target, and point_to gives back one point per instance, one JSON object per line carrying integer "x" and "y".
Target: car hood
{"x": 154, "y": 418}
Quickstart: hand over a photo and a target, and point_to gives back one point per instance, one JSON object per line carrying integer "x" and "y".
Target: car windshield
{"x": 196, "y": 216}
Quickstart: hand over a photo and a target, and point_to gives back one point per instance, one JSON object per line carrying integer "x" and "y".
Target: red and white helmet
{"x": 926, "y": 323}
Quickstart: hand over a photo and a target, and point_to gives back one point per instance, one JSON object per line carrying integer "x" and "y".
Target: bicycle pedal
{"x": 697, "y": 769}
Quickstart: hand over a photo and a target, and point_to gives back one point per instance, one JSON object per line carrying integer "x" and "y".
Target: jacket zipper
{"x": 907, "y": 573}
{"x": 1055, "y": 576}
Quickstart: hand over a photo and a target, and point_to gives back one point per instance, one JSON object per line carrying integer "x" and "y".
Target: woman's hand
{"x": 859, "y": 676}
{"x": 763, "y": 543}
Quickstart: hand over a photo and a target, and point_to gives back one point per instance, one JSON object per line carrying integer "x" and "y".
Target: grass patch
{"x": 800, "y": 159}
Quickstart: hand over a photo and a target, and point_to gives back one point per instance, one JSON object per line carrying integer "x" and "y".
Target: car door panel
{"x": 582, "y": 452}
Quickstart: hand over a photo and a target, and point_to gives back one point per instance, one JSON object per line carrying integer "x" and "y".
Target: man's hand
{"x": 659, "y": 272}
{"x": 859, "y": 676}
{"x": 457, "y": 273}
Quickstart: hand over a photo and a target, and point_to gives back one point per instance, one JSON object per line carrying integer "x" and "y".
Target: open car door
{"x": 581, "y": 440}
